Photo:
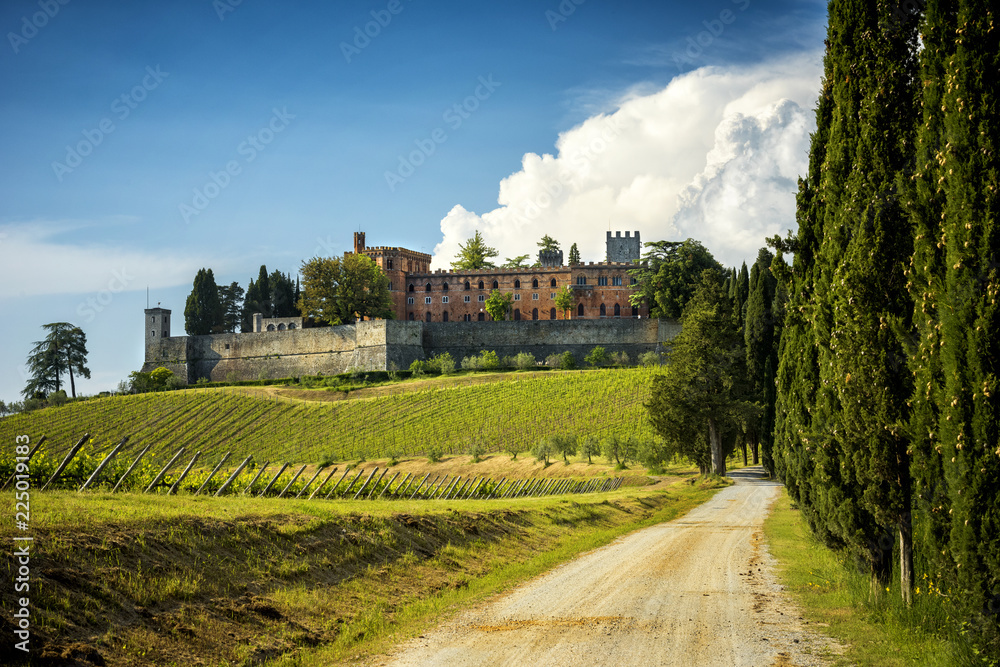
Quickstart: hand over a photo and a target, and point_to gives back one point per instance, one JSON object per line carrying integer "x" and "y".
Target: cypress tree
{"x": 955, "y": 282}
{"x": 758, "y": 331}
{"x": 203, "y": 312}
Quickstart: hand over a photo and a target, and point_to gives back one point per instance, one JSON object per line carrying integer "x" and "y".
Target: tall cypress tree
{"x": 759, "y": 332}
{"x": 203, "y": 312}
{"x": 955, "y": 283}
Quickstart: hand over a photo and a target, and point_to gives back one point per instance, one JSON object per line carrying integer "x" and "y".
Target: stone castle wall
{"x": 387, "y": 344}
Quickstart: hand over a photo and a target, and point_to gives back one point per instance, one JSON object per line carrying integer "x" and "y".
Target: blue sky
{"x": 143, "y": 140}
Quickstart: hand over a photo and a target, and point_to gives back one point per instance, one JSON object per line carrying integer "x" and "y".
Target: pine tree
{"x": 574, "y": 255}
{"x": 474, "y": 255}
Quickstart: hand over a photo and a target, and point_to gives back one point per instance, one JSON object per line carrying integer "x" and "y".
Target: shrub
{"x": 470, "y": 363}
{"x": 524, "y": 360}
{"x": 477, "y": 451}
{"x": 489, "y": 360}
{"x": 57, "y": 398}
{"x": 418, "y": 368}
{"x": 567, "y": 361}
{"x": 553, "y": 360}
{"x": 621, "y": 359}
{"x": 650, "y": 359}
{"x": 597, "y": 357}
{"x": 445, "y": 363}
{"x": 434, "y": 454}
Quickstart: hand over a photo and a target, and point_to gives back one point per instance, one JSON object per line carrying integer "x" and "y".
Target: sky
{"x": 144, "y": 141}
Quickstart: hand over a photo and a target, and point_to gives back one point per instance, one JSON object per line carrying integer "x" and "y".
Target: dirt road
{"x": 694, "y": 591}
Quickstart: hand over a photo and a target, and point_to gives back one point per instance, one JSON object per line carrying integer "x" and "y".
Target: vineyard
{"x": 496, "y": 416}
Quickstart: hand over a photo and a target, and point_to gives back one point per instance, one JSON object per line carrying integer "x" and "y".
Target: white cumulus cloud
{"x": 714, "y": 155}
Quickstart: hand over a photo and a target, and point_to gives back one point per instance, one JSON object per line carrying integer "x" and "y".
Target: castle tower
{"x": 157, "y": 325}
{"x": 550, "y": 258}
{"x": 359, "y": 242}
{"x": 623, "y": 249}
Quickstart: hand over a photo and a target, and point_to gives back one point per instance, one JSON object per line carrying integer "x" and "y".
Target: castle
{"x": 435, "y": 312}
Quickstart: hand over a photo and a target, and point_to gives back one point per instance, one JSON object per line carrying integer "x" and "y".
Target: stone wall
{"x": 382, "y": 345}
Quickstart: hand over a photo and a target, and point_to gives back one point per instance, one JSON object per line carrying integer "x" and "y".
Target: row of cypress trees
{"x": 887, "y": 412}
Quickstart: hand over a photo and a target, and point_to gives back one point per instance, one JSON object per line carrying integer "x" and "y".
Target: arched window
{"x": 270, "y": 327}
{"x": 281, "y": 327}
{"x": 517, "y": 314}
{"x": 411, "y": 317}
{"x": 604, "y": 311}
{"x": 534, "y": 283}
{"x": 444, "y": 288}
{"x": 444, "y": 316}
{"x": 390, "y": 265}
{"x": 411, "y": 287}
{"x": 552, "y": 283}
{"x": 517, "y": 284}
{"x": 291, "y": 326}
{"x": 534, "y": 313}
{"x": 618, "y": 310}
{"x": 481, "y": 285}
{"x": 635, "y": 311}
{"x": 427, "y": 287}
{"x": 428, "y": 317}
{"x": 482, "y": 317}
{"x": 496, "y": 285}
{"x": 579, "y": 310}
{"x": 467, "y": 285}
{"x": 552, "y": 314}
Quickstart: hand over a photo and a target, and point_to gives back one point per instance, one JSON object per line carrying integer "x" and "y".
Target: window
{"x": 467, "y": 285}
{"x": 390, "y": 285}
{"x": 153, "y": 319}
{"x": 552, "y": 314}
{"x": 411, "y": 317}
{"x": 166, "y": 335}
{"x": 534, "y": 313}
{"x": 581, "y": 280}
{"x": 616, "y": 281}
{"x": 635, "y": 311}
{"x": 444, "y": 315}
{"x": 227, "y": 346}
{"x": 633, "y": 281}
{"x": 534, "y": 283}
{"x": 517, "y": 284}
{"x": 153, "y": 333}
{"x": 517, "y": 314}
{"x": 409, "y": 301}
{"x": 552, "y": 295}
{"x": 602, "y": 281}
{"x": 534, "y": 297}
{"x": 481, "y": 285}
{"x": 444, "y": 288}
{"x": 618, "y": 310}
{"x": 482, "y": 317}
{"x": 517, "y": 297}
{"x": 496, "y": 285}
{"x": 482, "y": 297}
{"x": 281, "y": 327}
{"x": 427, "y": 287}
{"x": 467, "y": 317}
{"x": 444, "y": 299}
{"x": 270, "y": 327}
{"x": 428, "y": 317}
{"x": 389, "y": 265}
{"x": 291, "y": 326}
{"x": 604, "y": 311}
{"x": 467, "y": 298}
{"x": 552, "y": 283}
{"x": 411, "y": 287}
{"x": 579, "y": 310}
{"x": 427, "y": 300}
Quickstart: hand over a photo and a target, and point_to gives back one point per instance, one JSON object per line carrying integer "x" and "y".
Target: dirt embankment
{"x": 694, "y": 591}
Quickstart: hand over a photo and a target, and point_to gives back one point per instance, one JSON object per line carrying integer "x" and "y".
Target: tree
{"x": 566, "y": 445}
{"x": 590, "y": 447}
{"x": 574, "y": 255}
{"x": 498, "y": 304}
{"x": 518, "y": 262}
{"x": 759, "y": 333}
{"x": 63, "y": 350}
{"x": 598, "y": 356}
{"x": 474, "y": 255}
{"x": 203, "y": 312}
{"x": 668, "y": 274}
{"x": 542, "y": 450}
{"x": 342, "y": 291}
{"x": 548, "y": 244}
{"x": 565, "y": 300}
{"x": 231, "y": 298}
{"x": 282, "y": 295}
{"x": 699, "y": 403}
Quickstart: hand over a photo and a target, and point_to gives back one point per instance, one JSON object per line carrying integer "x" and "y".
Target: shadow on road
{"x": 754, "y": 475}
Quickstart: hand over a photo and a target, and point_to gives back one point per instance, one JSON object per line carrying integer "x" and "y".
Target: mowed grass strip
{"x": 876, "y": 629}
{"x": 134, "y": 580}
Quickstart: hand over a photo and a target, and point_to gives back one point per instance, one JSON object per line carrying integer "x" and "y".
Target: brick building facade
{"x": 602, "y": 289}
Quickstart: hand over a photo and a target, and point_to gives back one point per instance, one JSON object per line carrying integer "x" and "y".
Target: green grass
{"x": 453, "y": 415}
{"x": 235, "y": 581}
{"x": 875, "y": 626}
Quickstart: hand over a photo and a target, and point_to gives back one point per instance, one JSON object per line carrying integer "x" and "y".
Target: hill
{"x": 272, "y": 423}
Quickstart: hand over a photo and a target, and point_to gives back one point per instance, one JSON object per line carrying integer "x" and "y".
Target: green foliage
{"x": 548, "y": 244}
{"x": 668, "y": 275}
{"x": 343, "y": 291}
{"x": 619, "y": 450}
{"x": 474, "y": 255}
{"x": 702, "y": 391}
{"x": 231, "y": 299}
{"x": 543, "y": 450}
{"x": 524, "y": 361}
{"x": 476, "y": 451}
{"x": 649, "y": 359}
{"x": 513, "y": 447}
{"x": 521, "y": 261}
{"x": 574, "y": 255}
{"x": 442, "y": 363}
{"x": 203, "y": 312}
{"x": 564, "y": 445}
{"x": 567, "y": 361}
{"x": 590, "y": 446}
{"x": 62, "y": 351}
{"x": 498, "y": 305}
{"x": 565, "y": 300}
{"x": 597, "y": 357}
{"x": 434, "y": 454}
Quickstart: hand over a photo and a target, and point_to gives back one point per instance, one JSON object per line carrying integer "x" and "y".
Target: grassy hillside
{"x": 309, "y": 426}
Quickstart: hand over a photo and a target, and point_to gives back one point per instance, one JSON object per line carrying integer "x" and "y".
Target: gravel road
{"x": 695, "y": 591}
